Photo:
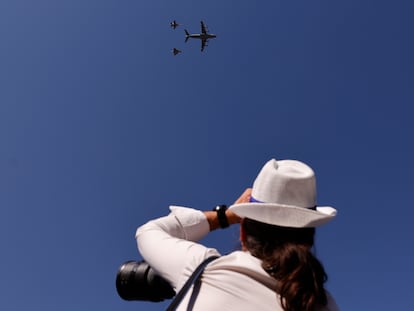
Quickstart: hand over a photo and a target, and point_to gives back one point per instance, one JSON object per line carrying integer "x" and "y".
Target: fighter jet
{"x": 175, "y": 51}
{"x": 174, "y": 24}
{"x": 204, "y": 36}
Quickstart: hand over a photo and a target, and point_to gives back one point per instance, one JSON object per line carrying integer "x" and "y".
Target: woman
{"x": 275, "y": 270}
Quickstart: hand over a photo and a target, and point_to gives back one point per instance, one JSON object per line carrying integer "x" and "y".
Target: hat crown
{"x": 286, "y": 182}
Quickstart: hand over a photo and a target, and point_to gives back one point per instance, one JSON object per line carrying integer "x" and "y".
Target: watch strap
{"x": 221, "y": 215}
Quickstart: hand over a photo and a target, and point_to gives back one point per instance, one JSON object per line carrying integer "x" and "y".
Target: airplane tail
{"x": 187, "y": 35}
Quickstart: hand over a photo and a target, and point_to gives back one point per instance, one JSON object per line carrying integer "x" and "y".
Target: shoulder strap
{"x": 196, "y": 274}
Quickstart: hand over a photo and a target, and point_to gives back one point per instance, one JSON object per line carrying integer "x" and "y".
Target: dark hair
{"x": 286, "y": 256}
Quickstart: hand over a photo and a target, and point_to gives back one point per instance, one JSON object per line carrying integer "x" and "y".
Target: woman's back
{"x": 236, "y": 282}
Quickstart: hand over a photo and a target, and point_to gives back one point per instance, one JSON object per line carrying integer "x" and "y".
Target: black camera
{"x": 136, "y": 280}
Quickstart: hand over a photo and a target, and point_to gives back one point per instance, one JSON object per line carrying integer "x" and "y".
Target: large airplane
{"x": 204, "y": 36}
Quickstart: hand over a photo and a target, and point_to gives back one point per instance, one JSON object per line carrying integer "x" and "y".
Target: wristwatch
{"x": 221, "y": 215}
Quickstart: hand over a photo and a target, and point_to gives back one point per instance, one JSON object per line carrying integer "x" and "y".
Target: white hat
{"x": 284, "y": 194}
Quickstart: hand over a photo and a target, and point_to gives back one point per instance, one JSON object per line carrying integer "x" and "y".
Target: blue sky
{"x": 101, "y": 128}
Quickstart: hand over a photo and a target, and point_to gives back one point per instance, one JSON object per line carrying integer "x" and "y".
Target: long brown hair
{"x": 286, "y": 255}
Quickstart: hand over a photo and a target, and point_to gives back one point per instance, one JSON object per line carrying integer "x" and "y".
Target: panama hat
{"x": 284, "y": 194}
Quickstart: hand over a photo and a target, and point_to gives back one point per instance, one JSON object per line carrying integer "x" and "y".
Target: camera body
{"x": 136, "y": 280}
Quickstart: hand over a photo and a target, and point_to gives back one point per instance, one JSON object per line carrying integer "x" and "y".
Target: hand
{"x": 245, "y": 197}
{"x": 232, "y": 218}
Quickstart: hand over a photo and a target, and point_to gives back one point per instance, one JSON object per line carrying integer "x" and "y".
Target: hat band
{"x": 253, "y": 200}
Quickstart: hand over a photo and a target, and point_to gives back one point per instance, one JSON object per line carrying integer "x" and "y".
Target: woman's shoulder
{"x": 238, "y": 259}
{"x": 244, "y": 263}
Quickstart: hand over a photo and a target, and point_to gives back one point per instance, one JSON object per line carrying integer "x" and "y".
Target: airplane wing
{"x": 203, "y": 28}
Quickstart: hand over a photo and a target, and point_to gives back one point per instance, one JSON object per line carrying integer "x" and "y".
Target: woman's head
{"x": 278, "y": 227}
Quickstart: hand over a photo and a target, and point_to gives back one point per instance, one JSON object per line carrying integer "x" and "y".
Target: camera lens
{"x": 138, "y": 281}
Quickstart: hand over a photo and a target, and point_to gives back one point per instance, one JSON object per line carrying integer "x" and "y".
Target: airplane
{"x": 176, "y": 51}
{"x": 174, "y": 24}
{"x": 204, "y": 36}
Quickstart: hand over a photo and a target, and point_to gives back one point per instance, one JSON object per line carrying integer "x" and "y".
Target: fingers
{"x": 245, "y": 197}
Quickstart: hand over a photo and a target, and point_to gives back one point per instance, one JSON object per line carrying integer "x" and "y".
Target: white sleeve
{"x": 168, "y": 245}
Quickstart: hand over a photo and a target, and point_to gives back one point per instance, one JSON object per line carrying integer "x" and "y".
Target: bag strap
{"x": 195, "y": 276}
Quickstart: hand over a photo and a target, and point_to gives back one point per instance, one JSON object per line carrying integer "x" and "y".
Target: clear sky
{"x": 101, "y": 128}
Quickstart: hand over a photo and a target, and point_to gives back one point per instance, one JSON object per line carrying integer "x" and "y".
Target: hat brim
{"x": 284, "y": 215}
